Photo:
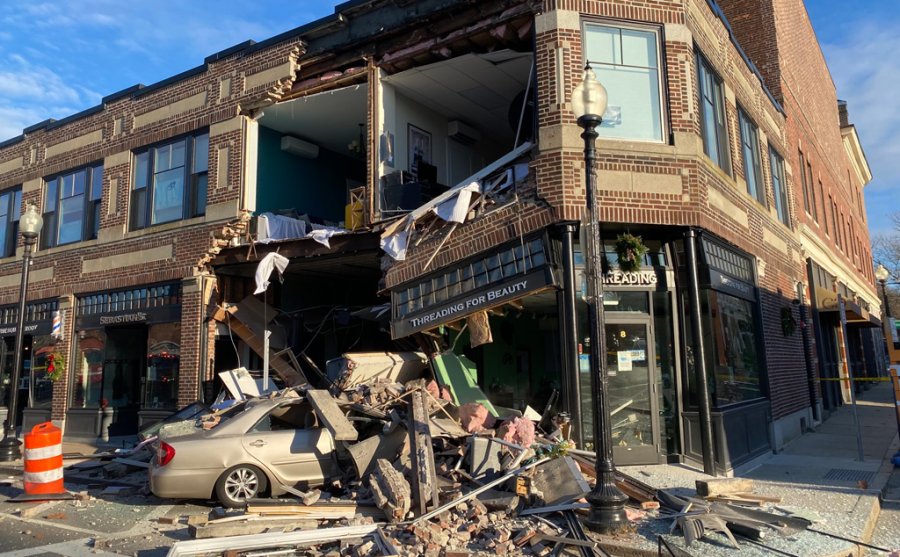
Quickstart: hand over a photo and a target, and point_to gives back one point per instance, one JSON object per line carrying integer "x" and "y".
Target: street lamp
{"x": 30, "y": 226}
{"x": 607, "y": 511}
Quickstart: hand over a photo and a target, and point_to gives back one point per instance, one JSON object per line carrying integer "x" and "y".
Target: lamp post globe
{"x": 30, "y": 224}
{"x": 607, "y": 502}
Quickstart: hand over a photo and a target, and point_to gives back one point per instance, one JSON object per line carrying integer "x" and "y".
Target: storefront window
{"x": 87, "y": 369}
{"x": 163, "y": 357}
{"x": 735, "y": 358}
{"x": 7, "y": 362}
{"x": 624, "y": 300}
{"x": 40, "y": 380}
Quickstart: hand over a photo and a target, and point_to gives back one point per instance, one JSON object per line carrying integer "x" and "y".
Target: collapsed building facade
{"x": 420, "y": 167}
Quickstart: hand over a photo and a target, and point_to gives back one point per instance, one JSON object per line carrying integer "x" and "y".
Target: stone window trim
{"x": 751, "y": 156}
{"x": 71, "y": 209}
{"x": 170, "y": 180}
{"x": 10, "y": 212}
{"x": 713, "y": 114}
{"x": 657, "y": 67}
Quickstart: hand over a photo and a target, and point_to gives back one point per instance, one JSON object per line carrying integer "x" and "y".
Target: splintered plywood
{"x": 331, "y": 415}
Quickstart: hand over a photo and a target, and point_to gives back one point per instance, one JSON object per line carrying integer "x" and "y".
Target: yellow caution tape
{"x": 854, "y": 379}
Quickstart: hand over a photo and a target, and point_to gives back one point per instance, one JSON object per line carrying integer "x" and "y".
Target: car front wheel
{"x": 238, "y": 484}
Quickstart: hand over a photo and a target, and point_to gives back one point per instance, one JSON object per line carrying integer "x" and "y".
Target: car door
{"x": 294, "y": 453}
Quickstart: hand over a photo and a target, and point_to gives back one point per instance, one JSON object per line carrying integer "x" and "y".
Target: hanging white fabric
{"x": 456, "y": 208}
{"x": 395, "y": 245}
{"x": 264, "y": 270}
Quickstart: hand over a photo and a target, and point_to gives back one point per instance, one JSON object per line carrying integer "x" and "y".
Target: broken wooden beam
{"x": 332, "y": 416}
{"x": 424, "y": 476}
{"x": 291, "y": 377}
{"x": 318, "y": 511}
{"x": 251, "y": 525}
{"x": 723, "y": 486}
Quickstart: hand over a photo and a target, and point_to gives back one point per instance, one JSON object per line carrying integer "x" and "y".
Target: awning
{"x": 856, "y": 314}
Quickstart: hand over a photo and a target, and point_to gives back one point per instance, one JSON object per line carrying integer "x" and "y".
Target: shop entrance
{"x": 634, "y": 412}
{"x": 123, "y": 368}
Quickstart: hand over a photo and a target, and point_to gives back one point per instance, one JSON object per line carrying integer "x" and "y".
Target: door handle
{"x": 258, "y": 443}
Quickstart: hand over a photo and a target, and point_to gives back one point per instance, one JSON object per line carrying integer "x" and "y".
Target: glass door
{"x": 633, "y": 404}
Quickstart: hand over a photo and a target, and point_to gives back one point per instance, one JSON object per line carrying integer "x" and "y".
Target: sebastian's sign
{"x": 137, "y": 317}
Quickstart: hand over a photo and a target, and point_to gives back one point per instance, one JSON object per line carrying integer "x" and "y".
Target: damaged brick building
{"x": 419, "y": 165}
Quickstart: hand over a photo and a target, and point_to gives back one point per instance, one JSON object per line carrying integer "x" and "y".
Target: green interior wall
{"x": 316, "y": 187}
{"x": 518, "y": 342}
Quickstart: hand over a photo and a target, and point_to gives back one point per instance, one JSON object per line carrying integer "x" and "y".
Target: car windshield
{"x": 205, "y": 421}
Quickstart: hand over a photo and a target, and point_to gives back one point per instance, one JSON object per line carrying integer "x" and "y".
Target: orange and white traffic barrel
{"x": 44, "y": 460}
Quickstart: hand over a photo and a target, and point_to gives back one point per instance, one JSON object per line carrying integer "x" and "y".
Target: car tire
{"x": 240, "y": 483}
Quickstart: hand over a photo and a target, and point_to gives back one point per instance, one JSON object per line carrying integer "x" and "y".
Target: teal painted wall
{"x": 317, "y": 187}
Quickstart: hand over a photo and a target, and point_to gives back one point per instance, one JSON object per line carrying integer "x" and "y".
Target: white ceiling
{"x": 330, "y": 120}
{"x": 474, "y": 88}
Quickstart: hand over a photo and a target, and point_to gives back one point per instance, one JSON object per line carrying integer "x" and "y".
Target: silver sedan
{"x": 256, "y": 448}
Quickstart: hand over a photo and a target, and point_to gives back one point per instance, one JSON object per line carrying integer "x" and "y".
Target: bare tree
{"x": 886, "y": 251}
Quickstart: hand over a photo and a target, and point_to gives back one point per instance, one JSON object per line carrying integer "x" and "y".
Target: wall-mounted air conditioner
{"x": 299, "y": 147}
{"x": 462, "y": 132}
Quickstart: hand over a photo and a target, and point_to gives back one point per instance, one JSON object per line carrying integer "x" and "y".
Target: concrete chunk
{"x": 559, "y": 481}
{"x": 390, "y": 490}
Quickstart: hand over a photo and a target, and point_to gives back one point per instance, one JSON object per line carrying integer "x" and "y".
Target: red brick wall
{"x": 190, "y": 241}
{"x": 559, "y": 172}
{"x": 804, "y": 85}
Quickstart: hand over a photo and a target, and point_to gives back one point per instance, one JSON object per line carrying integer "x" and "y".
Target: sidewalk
{"x": 818, "y": 473}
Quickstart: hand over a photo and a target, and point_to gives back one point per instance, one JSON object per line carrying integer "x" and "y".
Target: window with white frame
{"x": 626, "y": 61}
{"x": 72, "y": 206}
{"x": 170, "y": 181}
{"x": 712, "y": 115}
{"x": 10, "y": 211}
{"x": 779, "y": 187}
{"x": 752, "y": 162}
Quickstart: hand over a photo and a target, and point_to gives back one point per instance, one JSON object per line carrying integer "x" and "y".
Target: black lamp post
{"x": 30, "y": 226}
{"x": 882, "y": 274}
{"x": 607, "y": 512}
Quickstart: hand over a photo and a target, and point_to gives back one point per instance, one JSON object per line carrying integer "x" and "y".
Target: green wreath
{"x": 630, "y": 251}
{"x": 56, "y": 366}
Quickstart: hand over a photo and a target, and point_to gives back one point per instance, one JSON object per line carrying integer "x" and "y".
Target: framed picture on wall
{"x": 419, "y": 142}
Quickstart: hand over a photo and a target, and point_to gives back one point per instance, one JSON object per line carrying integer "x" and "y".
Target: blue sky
{"x": 58, "y": 57}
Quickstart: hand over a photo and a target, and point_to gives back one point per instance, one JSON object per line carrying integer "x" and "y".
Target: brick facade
{"x": 208, "y": 97}
{"x": 668, "y": 186}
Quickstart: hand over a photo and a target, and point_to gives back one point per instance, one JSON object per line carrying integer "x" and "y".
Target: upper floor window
{"x": 812, "y": 191}
{"x": 626, "y": 61}
{"x": 72, "y": 206}
{"x": 10, "y": 210}
{"x": 752, "y": 162}
{"x": 779, "y": 187}
{"x": 834, "y": 222}
{"x": 712, "y": 115}
{"x": 170, "y": 181}
{"x": 803, "y": 183}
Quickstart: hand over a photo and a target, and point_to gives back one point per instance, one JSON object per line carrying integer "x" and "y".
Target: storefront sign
{"x": 634, "y": 278}
{"x": 137, "y": 317}
{"x": 30, "y": 329}
{"x": 165, "y": 314}
{"x": 471, "y": 302}
{"x": 732, "y": 286}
